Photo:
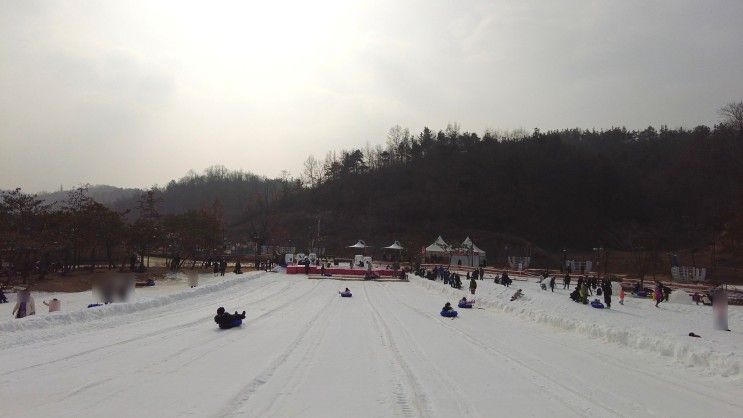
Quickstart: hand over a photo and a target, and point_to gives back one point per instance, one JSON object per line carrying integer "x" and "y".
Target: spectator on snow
{"x": 621, "y": 295}
{"x": 54, "y": 305}
{"x": 24, "y": 306}
{"x": 658, "y": 293}
{"x": 4, "y": 299}
{"x": 607, "y": 293}
{"x": 552, "y": 283}
{"x": 566, "y": 281}
{"x": 505, "y": 280}
{"x": 583, "y": 293}
{"x": 473, "y": 285}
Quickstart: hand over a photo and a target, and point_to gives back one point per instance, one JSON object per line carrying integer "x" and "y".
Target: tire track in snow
{"x": 463, "y": 408}
{"x": 536, "y": 374}
{"x": 419, "y": 404}
{"x": 246, "y": 392}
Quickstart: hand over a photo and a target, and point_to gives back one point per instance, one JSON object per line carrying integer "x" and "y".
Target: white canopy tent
{"x": 439, "y": 247}
{"x": 396, "y": 247}
{"x": 439, "y": 251}
{"x": 468, "y": 254}
{"x": 359, "y": 244}
{"x": 360, "y": 258}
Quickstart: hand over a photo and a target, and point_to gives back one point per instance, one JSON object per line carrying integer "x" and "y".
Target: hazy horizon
{"x": 102, "y": 93}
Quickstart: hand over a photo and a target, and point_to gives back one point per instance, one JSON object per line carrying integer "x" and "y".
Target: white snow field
{"x": 305, "y": 351}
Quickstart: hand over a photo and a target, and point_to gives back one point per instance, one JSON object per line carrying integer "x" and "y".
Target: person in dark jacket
{"x": 447, "y": 307}
{"x": 473, "y": 285}
{"x": 227, "y": 320}
{"x": 552, "y": 283}
{"x": 607, "y": 293}
{"x": 566, "y": 282}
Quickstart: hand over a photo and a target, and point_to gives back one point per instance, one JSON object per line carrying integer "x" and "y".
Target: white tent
{"x": 470, "y": 246}
{"x": 439, "y": 247}
{"x": 359, "y": 244}
{"x": 468, "y": 254}
{"x": 395, "y": 246}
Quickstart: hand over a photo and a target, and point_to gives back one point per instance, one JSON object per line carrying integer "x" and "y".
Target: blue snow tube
{"x": 598, "y": 305}
{"x": 93, "y": 305}
{"x": 235, "y": 323}
{"x": 449, "y": 314}
{"x": 464, "y": 305}
{"x": 346, "y": 294}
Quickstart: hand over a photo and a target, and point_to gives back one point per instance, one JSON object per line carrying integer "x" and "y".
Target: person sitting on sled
{"x": 225, "y": 319}
{"x": 447, "y": 307}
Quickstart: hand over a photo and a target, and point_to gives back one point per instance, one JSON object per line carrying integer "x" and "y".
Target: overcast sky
{"x": 112, "y": 93}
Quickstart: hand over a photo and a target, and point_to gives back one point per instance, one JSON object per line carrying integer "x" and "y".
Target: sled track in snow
{"x": 459, "y": 396}
{"x": 419, "y": 400}
{"x": 246, "y": 392}
{"x": 203, "y": 348}
{"x": 299, "y": 374}
{"x": 536, "y": 375}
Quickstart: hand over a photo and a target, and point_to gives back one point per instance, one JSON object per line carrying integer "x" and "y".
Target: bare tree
{"x": 311, "y": 172}
{"x": 732, "y": 114}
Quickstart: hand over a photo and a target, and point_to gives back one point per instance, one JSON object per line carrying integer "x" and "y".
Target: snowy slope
{"x": 304, "y": 351}
{"x": 638, "y": 324}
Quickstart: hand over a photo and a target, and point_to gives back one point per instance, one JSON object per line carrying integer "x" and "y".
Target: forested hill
{"x": 665, "y": 189}
{"x": 107, "y": 195}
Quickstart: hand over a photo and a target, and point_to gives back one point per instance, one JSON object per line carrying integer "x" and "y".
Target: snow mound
{"x": 38, "y": 322}
{"x": 681, "y": 297}
{"x": 673, "y": 342}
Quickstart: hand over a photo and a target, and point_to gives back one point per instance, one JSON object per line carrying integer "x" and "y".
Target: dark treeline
{"x": 661, "y": 190}
{"x": 37, "y": 238}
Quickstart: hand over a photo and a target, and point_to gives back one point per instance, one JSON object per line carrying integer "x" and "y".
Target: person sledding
{"x": 346, "y": 293}
{"x": 448, "y": 311}
{"x": 227, "y": 320}
{"x": 466, "y": 304}
{"x": 517, "y": 295}
{"x": 597, "y": 304}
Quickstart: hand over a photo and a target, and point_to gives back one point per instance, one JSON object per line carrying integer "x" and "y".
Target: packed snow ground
{"x": 304, "y": 351}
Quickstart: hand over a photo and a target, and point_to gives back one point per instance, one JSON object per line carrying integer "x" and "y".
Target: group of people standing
{"x": 588, "y": 286}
